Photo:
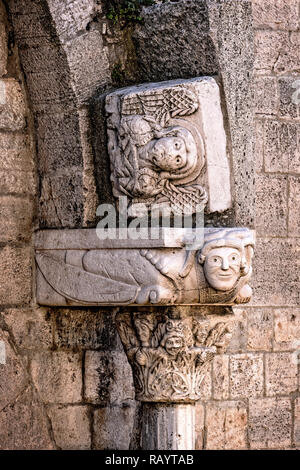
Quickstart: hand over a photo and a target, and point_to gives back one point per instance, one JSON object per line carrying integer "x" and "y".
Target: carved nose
{"x": 225, "y": 264}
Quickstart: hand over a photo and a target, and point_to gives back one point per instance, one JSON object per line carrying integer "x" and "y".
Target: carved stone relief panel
{"x": 170, "y": 352}
{"x": 75, "y": 267}
{"x": 167, "y": 146}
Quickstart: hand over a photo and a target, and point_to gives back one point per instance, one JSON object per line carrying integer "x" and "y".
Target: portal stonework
{"x": 250, "y": 392}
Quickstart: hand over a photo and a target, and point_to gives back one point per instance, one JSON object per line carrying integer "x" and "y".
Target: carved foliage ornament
{"x": 169, "y": 356}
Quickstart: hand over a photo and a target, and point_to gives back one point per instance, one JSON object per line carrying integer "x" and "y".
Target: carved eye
{"x": 215, "y": 261}
{"x": 234, "y": 258}
{"x": 177, "y": 145}
{"x": 178, "y": 160}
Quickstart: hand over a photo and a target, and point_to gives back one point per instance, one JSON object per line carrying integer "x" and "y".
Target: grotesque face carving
{"x": 222, "y": 267}
{"x": 174, "y": 344}
{"x": 147, "y": 184}
{"x": 169, "y": 153}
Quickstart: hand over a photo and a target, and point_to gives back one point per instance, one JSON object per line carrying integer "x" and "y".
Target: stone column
{"x": 168, "y": 426}
{"x": 170, "y": 351}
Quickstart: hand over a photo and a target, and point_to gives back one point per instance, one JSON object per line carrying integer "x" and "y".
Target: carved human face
{"x": 169, "y": 153}
{"x": 147, "y": 184}
{"x": 174, "y": 344}
{"x": 222, "y": 268}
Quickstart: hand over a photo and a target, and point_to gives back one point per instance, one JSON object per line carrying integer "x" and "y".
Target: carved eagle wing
{"x": 76, "y": 284}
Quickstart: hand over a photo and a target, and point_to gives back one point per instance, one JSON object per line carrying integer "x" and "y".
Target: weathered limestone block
{"x": 84, "y": 329}
{"x": 107, "y": 378}
{"x": 16, "y": 215}
{"x": 260, "y": 329}
{"x": 286, "y": 329}
{"x": 15, "y": 275}
{"x": 57, "y": 376}
{"x": 107, "y": 433}
{"x": 3, "y": 41}
{"x": 31, "y": 328}
{"x": 281, "y": 374}
{"x": 246, "y": 379}
{"x": 281, "y": 146}
{"x": 78, "y": 268}
{"x": 276, "y": 14}
{"x": 226, "y": 425}
{"x": 23, "y": 424}
{"x": 266, "y": 95}
{"x": 221, "y": 377}
{"x": 12, "y": 106}
{"x": 167, "y": 145}
{"x": 71, "y": 427}
{"x": 270, "y": 422}
{"x": 13, "y": 376}
{"x": 297, "y": 422}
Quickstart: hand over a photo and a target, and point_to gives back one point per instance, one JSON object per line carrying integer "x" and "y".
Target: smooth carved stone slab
{"x": 75, "y": 267}
{"x": 170, "y": 352}
{"x": 167, "y": 146}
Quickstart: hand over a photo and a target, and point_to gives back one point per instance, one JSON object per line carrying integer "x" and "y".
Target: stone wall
{"x": 66, "y": 381}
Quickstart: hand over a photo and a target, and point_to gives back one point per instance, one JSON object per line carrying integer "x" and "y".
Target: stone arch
{"x": 65, "y": 62}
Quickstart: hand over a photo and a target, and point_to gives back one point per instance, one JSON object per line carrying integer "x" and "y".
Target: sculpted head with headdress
{"x": 226, "y": 258}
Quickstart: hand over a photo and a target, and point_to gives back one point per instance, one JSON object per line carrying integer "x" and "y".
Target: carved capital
{"x": 170, "y": 352}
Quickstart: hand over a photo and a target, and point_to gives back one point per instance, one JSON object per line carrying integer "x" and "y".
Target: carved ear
{"x": 201, "y": 258}
{"x": 244, "y": 266}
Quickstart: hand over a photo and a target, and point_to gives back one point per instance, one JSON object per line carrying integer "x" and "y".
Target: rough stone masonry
{"x": 67, "y": 365}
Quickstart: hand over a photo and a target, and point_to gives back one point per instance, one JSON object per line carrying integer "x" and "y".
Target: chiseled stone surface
{"x": 31, "y": 328}
{"x": 199, "y": 426}
{"x": 271, "y": 205}
{"x": 24, "y": 426}
{"x": 246, "y": 375}
{"x": 226, "y": 425}
{"x": 15, "y": 275}
{"x": 288, "y": 107}
{"x": 281, "y": 374}
{"x": 267, "y": 45}
{"x": 108, "y": 378}
{"x": 297, "y": 422}
{"x": 82, "y": 329}
{"x": 12, "y": 106}
{"x": 266, "y": 95}
{"x": 270, "y": 422}
{"x": 17, "y": 216}
{"x": 293, "y": 206}
{"x": 276, "y": 267}
{"x": 113, "y": 427}
{"x": 13, "y": 375}
{"x": 281, "y": 146}
{"x": 71, "y": 427}
{"x": 57, "y": 376}
{"x": 286, "y": 329}
{"x": 276, "y": 14}
{"x": 260, "y": 329}
{"x": 221, "y": 377}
